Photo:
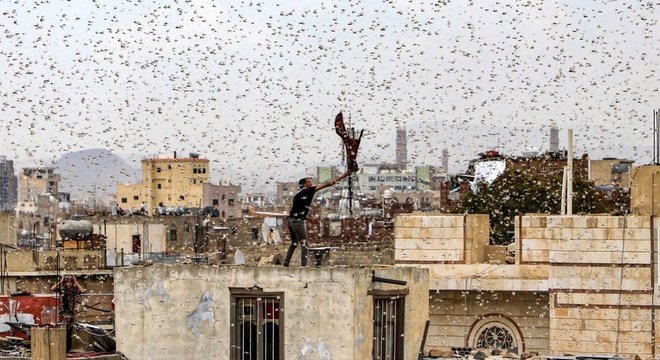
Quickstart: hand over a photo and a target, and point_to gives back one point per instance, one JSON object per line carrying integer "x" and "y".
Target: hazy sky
{"x": 254, "y": 86}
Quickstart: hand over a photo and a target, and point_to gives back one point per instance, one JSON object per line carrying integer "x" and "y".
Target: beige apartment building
{"x": 645, "y": 190}
{"x": 167, "y": 181}
{"x": 611, "y": 172}
{"x": 34, "y": 182}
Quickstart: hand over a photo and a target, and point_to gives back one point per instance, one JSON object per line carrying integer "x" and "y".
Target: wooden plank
{"x": 48, "y": 343}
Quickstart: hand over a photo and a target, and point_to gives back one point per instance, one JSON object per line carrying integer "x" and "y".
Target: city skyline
{"x": 254, "y": 86}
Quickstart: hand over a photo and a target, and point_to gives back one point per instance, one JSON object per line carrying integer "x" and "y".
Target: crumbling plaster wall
{"x": 325, "y": 311}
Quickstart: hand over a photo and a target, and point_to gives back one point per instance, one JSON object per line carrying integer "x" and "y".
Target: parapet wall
{"x": 545, "y": 239}
{"x": 446, "y": 239}
{"x": 185, "y": 312}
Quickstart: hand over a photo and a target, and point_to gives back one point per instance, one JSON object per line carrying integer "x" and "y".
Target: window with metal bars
{"x": 257, "y": 325}
{"x": 388, "y": 328}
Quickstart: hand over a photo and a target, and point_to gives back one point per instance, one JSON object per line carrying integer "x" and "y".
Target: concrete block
{"x": 534, "y": 233}
{"x": 535, "y": 244}
{"x": 408, "y": 221}
{"x": 632, "y": 325}
{"x": 632, "y": 258}
{"x": 554, "y": 221}
{"x": 580, "y": 222}
{"x": 567, "y": 221}
{"x": 423, "y": 255}
{"x": 536, "y": 221}
{"x": 637, "y": 234}
{"x": 592, "y": 222}
{"x": 535, "y": 255}
{"x": 638, "y": 222}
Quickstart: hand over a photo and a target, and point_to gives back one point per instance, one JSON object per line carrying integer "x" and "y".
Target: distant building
{"x": 8, "y": 185}
{"x": 255, "y": 199}
{"x": 7, "y": 228}
{"x": 401, "y": 148}
{"x": 224, "y": 198}
{"x": 554, "y": 139}
{"x": 34, "y": 182}
{"x": 376, "y": 178}
{"x": 546, "y": 164}
{"x": 645, "y": 190}
{"x": 286, "y": 191}
{"x": 611, "y": 172}
{"x": 167, "y": 181}
{"x": 445, "y": 160}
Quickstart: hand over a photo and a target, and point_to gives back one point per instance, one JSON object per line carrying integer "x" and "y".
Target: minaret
{"x": 445, "y": 160}
{"x": 401, "y": 148}
{"x": 554, "y": 138}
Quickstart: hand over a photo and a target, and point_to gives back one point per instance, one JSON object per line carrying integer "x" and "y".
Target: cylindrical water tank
{"x": 76, "y": 229}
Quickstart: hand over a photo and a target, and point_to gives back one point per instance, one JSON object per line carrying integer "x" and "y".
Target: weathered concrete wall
{"x": 154, "y": 233}
{"x": 325, "y": 310}
{"x": 28, "y": 260}
{"x": 7, "y": 228}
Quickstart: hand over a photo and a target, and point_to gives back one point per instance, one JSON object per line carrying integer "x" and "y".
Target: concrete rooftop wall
{"x": 184, "y": 312}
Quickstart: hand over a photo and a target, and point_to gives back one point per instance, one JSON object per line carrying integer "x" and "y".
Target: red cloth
{"x": 351, "y": 144}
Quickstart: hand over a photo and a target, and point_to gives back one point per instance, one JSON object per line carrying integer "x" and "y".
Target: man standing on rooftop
{"x": 299, "y": 209}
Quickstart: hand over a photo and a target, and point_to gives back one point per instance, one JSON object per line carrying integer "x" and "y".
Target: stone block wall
{"x": 601, "y": 280}
{"x": 457, "y": 318}
{"x": 447, "y": 239}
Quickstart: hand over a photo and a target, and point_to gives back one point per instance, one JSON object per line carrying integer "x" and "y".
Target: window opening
{"x": 257, "y": 326}
{"x": 388, "y": 328}
{"x": 137, "y": 244}
{"x": 171, "y": 233}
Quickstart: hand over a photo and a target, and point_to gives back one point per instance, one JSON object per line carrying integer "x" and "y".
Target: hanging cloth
{"x": 351, "y": 142}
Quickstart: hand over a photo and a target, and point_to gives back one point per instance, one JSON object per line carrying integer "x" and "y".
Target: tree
{"x": 521, "y": 192}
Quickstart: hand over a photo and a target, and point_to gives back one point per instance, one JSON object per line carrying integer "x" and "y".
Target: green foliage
{"x": 521, "y": 192}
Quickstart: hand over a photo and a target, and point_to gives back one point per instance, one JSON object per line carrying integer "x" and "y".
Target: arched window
{"x": 495, "y": 331}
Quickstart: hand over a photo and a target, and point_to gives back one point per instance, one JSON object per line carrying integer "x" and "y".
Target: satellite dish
{"x": 239, "y": 258}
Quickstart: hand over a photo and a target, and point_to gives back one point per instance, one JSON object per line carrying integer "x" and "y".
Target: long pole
{"x": 562, "y": 211}
{"x": 350, "y": 194}
{"x": 655, "y": 137}
{"x": 569, "y": 178}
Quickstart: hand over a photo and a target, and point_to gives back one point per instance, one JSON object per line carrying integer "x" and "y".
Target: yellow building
{"x": 611, "y": 172}
{"x": 166, "y": 182}
{"x": 645, "y": 190}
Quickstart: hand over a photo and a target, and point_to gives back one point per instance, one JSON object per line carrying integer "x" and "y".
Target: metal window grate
{"x": 257, "y": 328}
{"x": 388, "y": 328}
